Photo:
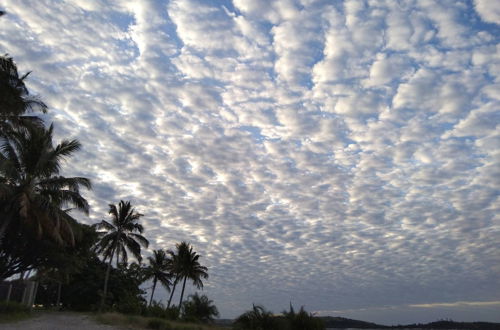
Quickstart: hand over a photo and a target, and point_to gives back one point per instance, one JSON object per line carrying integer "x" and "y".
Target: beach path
{"x": 58, "y": 321}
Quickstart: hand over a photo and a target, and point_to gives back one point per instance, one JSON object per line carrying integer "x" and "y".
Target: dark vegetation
{"x": 451, "y": 325}
{"x": 12, "y": 311}
{"x": 340, "y": 322}
{"x": 258, "y": 318}
{"x": 344, "y": 323}
{"x": 77, "y": 266}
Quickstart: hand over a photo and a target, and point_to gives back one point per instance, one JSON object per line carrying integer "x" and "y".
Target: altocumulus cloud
{"x": 343, "y": 155}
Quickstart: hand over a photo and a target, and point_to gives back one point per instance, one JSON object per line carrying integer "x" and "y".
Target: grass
{"x": 140, "y": 322}
{"x": 13, "y": 312}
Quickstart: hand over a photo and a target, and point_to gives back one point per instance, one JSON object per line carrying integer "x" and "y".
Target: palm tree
{"x": 33, "y": 196}
{"x": 15, "y": 99}
{"x": 174, "y": 270}
{"x": 122, "y": 234}
{"x": 159, "y": 270}
{"x": 187, "y": 267}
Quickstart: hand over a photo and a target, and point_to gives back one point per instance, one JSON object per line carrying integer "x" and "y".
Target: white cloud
{"x": 308, "y": 149}
{"x": 488, "y": 11}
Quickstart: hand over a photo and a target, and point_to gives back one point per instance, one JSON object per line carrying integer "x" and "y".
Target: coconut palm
{"x": 120, "y": 235}
{"x": 186, "y": 266}
{"x": 33, "y": 195}
{"x": 159, "y": 270}
{"x": 15, "y": 100}
{"x": 174, "y": 270}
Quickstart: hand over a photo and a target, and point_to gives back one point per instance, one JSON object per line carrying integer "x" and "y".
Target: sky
{"x": 340, "y": 155}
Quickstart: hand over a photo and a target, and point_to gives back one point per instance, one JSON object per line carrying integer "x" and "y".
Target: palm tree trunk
{"x": 153, "y": 292}
{"x": 172, "y": 293}
{"x": 105, "y": 291}
{"x": 182, "y": 292}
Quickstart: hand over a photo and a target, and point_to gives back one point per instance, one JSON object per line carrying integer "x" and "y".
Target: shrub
{"x": 129, "y": 307}
{"x": 172, "y": 313}
{"x": 11, "y": 307}
{"x": 155, "y": 310}
{"x": 256, "y": 318}
{"x": 302, "y": 320}
{"x": 199, "y": 309}
{"x": 158, "y": 324}
{"x": 260, "y": 319}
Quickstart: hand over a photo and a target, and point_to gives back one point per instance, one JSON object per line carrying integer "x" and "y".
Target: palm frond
{"x": 140, "y": 239}
{"x": 66, "y": 148}
{"x": 60, "y": 182}
{"x": 104, "y": 225}
{"x": 133, "y": 247}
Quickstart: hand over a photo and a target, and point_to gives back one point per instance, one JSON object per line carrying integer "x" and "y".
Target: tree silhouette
{"x": 302, "y": 320}
{"x": 256, "y": 318}
{"x": 199, "y": 308}
{"x": 33, "y": 196}
{"x": 159, "y": 270}
{"x": 15, "y": 99}
{"x": 121, "y": 235}
{"x": 174, "y": 270}
{"x": 186, "y": 266}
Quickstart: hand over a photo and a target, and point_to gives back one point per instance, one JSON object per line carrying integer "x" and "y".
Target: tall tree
{"x": 15, "y": 99}
{"x": 34, "y": 196}
{"x": 159, "y": 270}
{"x": 121, "y": 235}
{"x": 188, "y": 267}
{"x": 174, "y": 270}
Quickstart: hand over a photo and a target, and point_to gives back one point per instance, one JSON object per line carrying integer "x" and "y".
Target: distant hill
{"x": 344, "y": 323}
{"x": 452, "y": 325}
{"x": 332, "y": 322}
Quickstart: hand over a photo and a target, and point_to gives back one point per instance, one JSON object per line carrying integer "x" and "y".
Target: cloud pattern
{"x": 342, "y": 155}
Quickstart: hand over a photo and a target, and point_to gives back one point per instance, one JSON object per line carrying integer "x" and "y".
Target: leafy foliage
{"x": 61, "y": 264}
{"x": 13, "y": 312}
{"x": 33, "y": 196}
{"x": 258, "y": 318}
{"x": 302, "y": 320}
{"x": 122, "y": 234}
{"x": 84, "y": 290}
{"x": 21, "y": 253}
{"x": 199, "y": 308}
{"x": 10, "y": 307}
{"x": 159, "y": 269}
{"x": 155, "y": 309}
{"x": 172, "y": 313}
{"x": 158, "y": 324}
{"x": 185, "y": 265}
{"x": 15, "y": 99}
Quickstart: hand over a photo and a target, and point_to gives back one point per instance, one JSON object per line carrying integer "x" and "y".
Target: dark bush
{"x": 158, "y": 324}
{"x": 157, "y": 309}
{"x": 172, "y": 313}
{"x": 12, "y": 307}
{"x": 199, "y": 309}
